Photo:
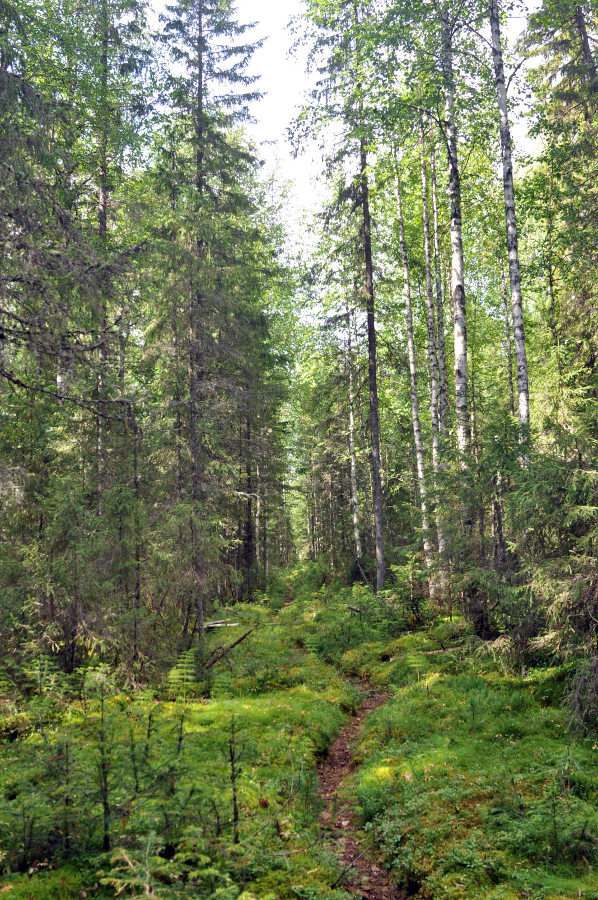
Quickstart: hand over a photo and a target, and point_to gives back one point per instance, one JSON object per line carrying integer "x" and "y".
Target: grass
{"x": 274, "y": 705}
{"x": 468, "y": 780}
{"x": 471, "y": 780}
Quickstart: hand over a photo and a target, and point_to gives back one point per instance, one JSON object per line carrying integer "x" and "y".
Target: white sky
{"x": 283, "y": 81}
{"x": 282, "y": 74}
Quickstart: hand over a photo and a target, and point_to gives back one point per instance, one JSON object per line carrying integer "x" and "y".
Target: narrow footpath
{"x": 361, "y": 873}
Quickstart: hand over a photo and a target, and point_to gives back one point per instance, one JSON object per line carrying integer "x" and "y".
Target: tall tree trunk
{"x": 312, "y": 509}
{"x": 417, "y": 437}
{"x": 194, "y": 452}
{"x": 508, "y": 339}
{"x": 500, "y": 547}
{"x": 103, "y": 235}
{"x": 511, "y": 222}
{"x": 248, "y": 534}
{"x": 431, "y": 317}
{"x": 258, "y": 513}
{"x": 476, "y": 443}
{"x": 178, "y": 418}
{"x": 444, "y": 408}
{"x": 373, "y": 382}
{"x": 588, "y": 58}
{"x": 550, "y": 272}
{"x": 433, "y": 362}
{"x": 138, "y": 538}
{"x": 266, "y": 556}
{"x": 331, "y": 521}
{"x": 457, "y": 266}
{"x": 365, "y": 468}
{"x": 352, "y": 454}
{"x": 475, "y": 594}
{"x": 196, "y": 305}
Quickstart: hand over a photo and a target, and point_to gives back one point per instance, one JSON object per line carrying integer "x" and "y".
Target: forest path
{"x": 362, "y": 875}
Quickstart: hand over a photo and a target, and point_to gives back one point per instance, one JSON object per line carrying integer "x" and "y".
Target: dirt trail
{"x": 363, "y": 876}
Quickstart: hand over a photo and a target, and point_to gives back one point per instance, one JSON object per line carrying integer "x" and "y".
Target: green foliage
{"x": 66, "y": 883}
{"x": 156, "y": 776}
{"x": 182, "y": 677}
{"x": 181, "y": 416}
{"x": 470, "y": 779}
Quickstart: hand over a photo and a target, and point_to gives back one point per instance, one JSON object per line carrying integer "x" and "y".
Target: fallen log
{"x": 220, "y": 652}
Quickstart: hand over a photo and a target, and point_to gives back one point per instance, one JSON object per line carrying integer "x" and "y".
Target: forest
{"x": 299, "y": 513}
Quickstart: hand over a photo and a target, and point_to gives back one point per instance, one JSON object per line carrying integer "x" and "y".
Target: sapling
{"x": 104, "y": 766}
{"x": 133, "y": 755}
{"x": 235, "y": 771}
{"x": 148, "y": 733}
{"x": 27, "y": 837}
{"x": 66, "y": 759}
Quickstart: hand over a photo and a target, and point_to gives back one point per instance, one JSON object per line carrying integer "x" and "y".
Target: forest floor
{"x": 342, "y": 751}
{"x": 363, "y": 873}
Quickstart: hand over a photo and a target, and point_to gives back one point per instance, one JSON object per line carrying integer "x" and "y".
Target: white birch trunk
{"x": 366, "y": 232}
{"x": 431, "y": 317}
{"x": 457, "y": 266}
{"x": 508, "y": 342}
{"x": 433, "y": 362}
{"x": 444, "y": 408}
{"x": 511, "y": 222}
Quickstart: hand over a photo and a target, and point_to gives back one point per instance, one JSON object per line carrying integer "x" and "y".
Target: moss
{"x": 468, "y": 778}
{"x": 65, "y": 883}
{"x": 488, "y": 792}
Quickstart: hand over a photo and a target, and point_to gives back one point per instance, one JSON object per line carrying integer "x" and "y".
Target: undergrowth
{"x": 469, "y": 780}
{"x": 203, "y": 788}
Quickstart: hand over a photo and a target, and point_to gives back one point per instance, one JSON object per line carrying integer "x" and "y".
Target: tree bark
{"x": 588, "y": 58}
{"x": 433, "y": 362}
{"x": 417, "y": 437}
{"x": 248, "y": 534}
{"x": 266, "y": 556}
{"x": 444, "y": 407}
{"x": 331, "y": 521}
{"x": 431, "y": 317}
{"x": 457, "y": 266}
{"x": 511, "y": 224}
{"x": 196, "y": 303}
{"x": 365, "y": 468}
{"x": 103, "y": 235}
{"x": 352, "y": 454}
{"x": 476, "y": 444}
{"x": 500, "y": 547}
{"x": 508, "y": 339}
{"x": 373, "y": 383}
{"x": 258, "y": 513}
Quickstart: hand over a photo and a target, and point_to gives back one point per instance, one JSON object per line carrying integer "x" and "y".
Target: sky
{"x": 283, "y": 81}
{"x": 282, "y": 73}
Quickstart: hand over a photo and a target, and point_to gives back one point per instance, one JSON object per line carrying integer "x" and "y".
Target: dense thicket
{"x": 141, "y": 382}
{"x": 145, "y": 361}
{"x": 186, "y": 410}
{"x": 487, "y": 430}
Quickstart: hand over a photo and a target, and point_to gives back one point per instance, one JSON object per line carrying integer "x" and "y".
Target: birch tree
{"x": 511, "y": 224}
{"x": 457, "y": 261}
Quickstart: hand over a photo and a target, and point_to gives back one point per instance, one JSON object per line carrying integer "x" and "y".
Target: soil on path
{"x": 362, "y": 875}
